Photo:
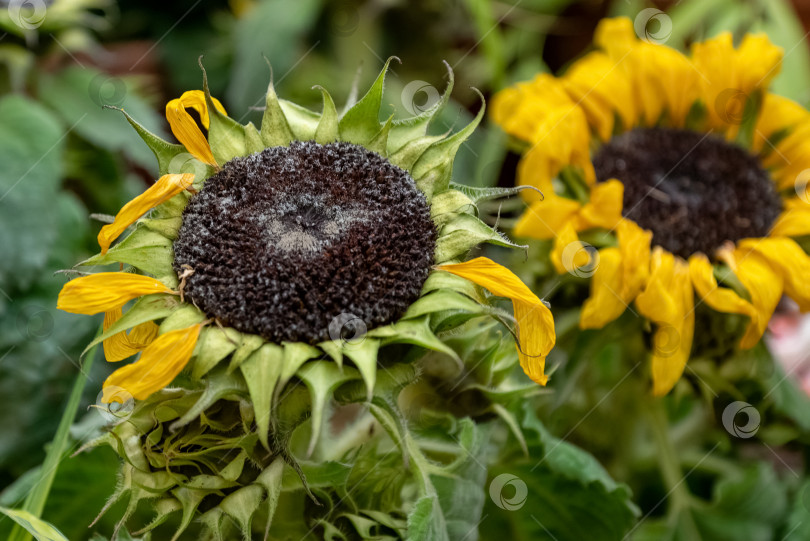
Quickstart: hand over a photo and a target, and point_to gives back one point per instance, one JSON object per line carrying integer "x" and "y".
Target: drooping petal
{"x": 535, "y": 323}
{"x": 668, "y": 301}
{"x": 634, "y": 245}
{"x": 788, "y": 259}
{"x": 543, "y": 219}
{"x": 722, "y": 299}
{"x": 185, "y": 128}
{"x": 672, "y": 341}
{"x": 764, "y": 286}
{"x": 159, "y": 364}
{"x": 122, "y": 345}
{"x": 164, "y": 189}
{"x": 605, "y": 303}
{"x": 105, "y": 291}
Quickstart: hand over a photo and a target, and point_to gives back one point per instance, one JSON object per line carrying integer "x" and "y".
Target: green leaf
{"x": 558, "y": 492}
{"x": 75, "y": 93}
{"x": 31, "y": 145}
{"x": 276, "y": 28}
{"x": 214, "y": 345}
{"x": 746, "y": 507}
{"x": 40, "y": 529}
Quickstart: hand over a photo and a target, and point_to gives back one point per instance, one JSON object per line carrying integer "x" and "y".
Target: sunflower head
{"x": 671, "y": 181}
{"x": 273, "y": 271}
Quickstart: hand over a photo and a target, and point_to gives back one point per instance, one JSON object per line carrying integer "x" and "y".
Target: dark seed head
{"x": 693, "y": 191}
{"x": 285, "y": 241}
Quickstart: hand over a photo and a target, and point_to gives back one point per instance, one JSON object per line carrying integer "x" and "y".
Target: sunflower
{"x": 685, "y": 171}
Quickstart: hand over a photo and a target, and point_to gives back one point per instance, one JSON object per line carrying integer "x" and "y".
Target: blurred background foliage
{"x": 64, "y": 158}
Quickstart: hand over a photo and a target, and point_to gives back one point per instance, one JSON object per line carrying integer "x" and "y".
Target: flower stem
{"x": 668, "y": 462}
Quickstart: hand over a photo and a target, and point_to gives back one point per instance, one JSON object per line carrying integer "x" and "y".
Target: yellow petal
{"x": 600, "y": 86}
{"x": 605, "y": 303}
{"x": 195, "y": 99}
{"x": 788, "y": 259}
{"x": 672, "y": 341}
{"x": 164, "y": 189}
{"x": 122, "y": 345}
{"x": 764, "y": 286}
{"x": 543, "y": 219}
{"x": 185, "y": 128}
{"x": 158, "y": 366}
{"x": 634, "y": 245}
{"x": 105, "y": 291}
{"x": 794, "y": 220}
{"x": 616, "y": 36}
{"x": 569, "y": 254}
{"x": 759, "y": 62}
{"x": 534, "y": 320}
{"x": 605, "y": 206}
{"x": 722, "y": 299}
{"x": 656, "y": 302}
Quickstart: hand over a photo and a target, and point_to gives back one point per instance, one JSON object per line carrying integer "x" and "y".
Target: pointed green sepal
{"x": 440, "y": 156}
{"x": 225, "y": 135}
{"x": 362, "y": 122}
{"x": 322, "y": 378}
{"x": 164, "y": 151}
{"x": 380, "y": 141}
{"x": 364, "y": 356}
{"x": 253, "y": 139}
{"x": 327, "y": 130}
{"x": 262, "y": 371}
{"x": 275, "y": 129}
{"x": 409, "y": 129}
{"x": 145, "y": 249}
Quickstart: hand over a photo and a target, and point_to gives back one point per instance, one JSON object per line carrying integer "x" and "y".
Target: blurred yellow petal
{"x": 759, "y": 61}
{"x": 722, "y": 299}
{"x": 672, "y": 341}
{"x": 534, "y": 320}
{"x": 668, "y": 301}
{"x": 605, "y": 206}
{"x": 656, "y": 302}
{"x": 601, "y": 88}
{"x": 794, "y": 220}
{"x": 157, "y": 367}
{"x": 541, "y": 113}
{"x": 764, "y": 286}
{"x": 122, "y": 345}
{"x": 185, "y": 128}
{"x": 605, "y": 303}
{"x": 543, "y": 219}
{"x": 788, "y": 259}
{"x": 164, "y": 189}
{"x": 616, "y": 36}
{"x": 105, "y": 291}
{"x": 634, "y": 245}
{"x": 568, "y": 253}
